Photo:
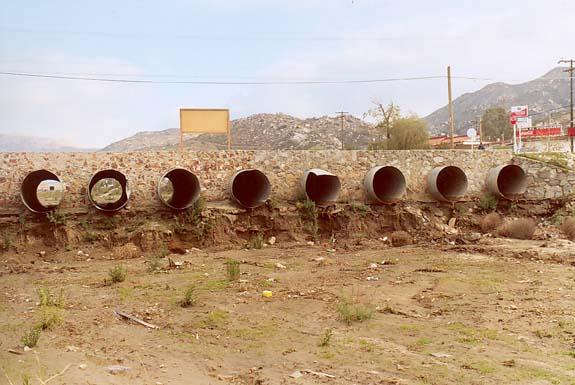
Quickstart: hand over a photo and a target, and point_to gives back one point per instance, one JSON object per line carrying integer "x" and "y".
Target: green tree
{"x": 384, "y": 117}
{"x": 408, "y": 133}
{"x": 495, "y": 124}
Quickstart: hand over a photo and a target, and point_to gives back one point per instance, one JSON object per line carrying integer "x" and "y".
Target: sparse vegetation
{"x": 56, "y": 218}
{"x": 400, "y": 238}
{"x": 568, "y": 227}
{"x": 47, "y": 298}
{"x": 154, "y": 264}
{"x": 523, "y": 228}
{"x": 31, "y": 337}
{"x": 233, "y": 269}
{"x": 352, "y": 310}
{"x": 91, "y": 237}
{"x": 325, "y": 340}
{"x": 6, "y": 241}
{"x": 50, "y": 317}
{"x": 360, "y": 208}
{"x": 118, "y": 274}
{"x": 488, "y": 202}
{"x": 309, "y": 214}
{"x": 190, "y": 297}
{"x": 491, "y": 222}
{"x": 256, "y": 242}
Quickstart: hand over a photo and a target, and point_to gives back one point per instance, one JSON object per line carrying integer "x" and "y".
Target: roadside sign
{"x": 471, "y": 133}
{"x": 519, "y": 111}
{"x": 523, "y": 123}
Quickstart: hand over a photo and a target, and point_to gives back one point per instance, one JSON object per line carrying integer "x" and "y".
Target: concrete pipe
{"x": 178, "y": 189}
{"x": 320, "y": 186}
{"x": 447, "y": 184}
{"x": 109, "y": 190}
{"x": 41, "y": 191}
{"x": 250, "y": 188}
{"x": 507, "y": 181}
{"x": 384, "y": 184}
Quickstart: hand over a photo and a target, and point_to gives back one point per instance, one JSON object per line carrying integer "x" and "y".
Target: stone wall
{"x": 546, "y": 180}
{"x": 283, "y": 168}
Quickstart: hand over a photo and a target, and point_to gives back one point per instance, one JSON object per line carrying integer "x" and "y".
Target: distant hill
{"x": 546, "y": 93}
{"x": 20, "y": 143}
{"x": 260, "y": 131}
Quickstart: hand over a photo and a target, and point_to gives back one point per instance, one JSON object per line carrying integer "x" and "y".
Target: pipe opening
{"x": 447, "y": 183}
{"x": 321, "y": 186}
{"x": 509, "y": 181}
{"x": 109, "y": 190}
{"x": 41, "y": 191}
{"x": 250, "y": 188}
{"x": 178, "y": 189}
{"x": 384, "y": 184}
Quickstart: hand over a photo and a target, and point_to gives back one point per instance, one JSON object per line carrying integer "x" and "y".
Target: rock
{"x": 372, "y": 278}
{"x": 42, "y": 254}
{"x": 296, "y": 374}
{"x": 451, "y": 223}
{"x": 373, "y": 266}
{"x": 272, "y": 240}
{"x": 472, "y": 237}
{"x": 71, "y": 348}
{"x": 280, "y": 266}
{"x": 117, "y": 369}
{"x": 82, "y": 366}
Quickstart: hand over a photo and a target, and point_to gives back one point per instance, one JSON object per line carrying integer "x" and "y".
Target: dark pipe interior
{"x": 185, "y": 189}
{"x": 511, "y": 181}
{"x": 251, "y": 188}
{"x": 322, "y": 189}
{"x": 29, "y": 190}
{"x": 121, "y": 179}
{"x": 451, "y": 182}
{"x": 388, "y": 184}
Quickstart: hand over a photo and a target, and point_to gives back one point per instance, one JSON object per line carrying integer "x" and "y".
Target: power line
{"x": 205, "y": 82}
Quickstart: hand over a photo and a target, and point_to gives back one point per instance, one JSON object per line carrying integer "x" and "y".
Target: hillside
{"x": 21, "y": 143}
{"x": 260, "y": 131}
{"x": 544, "y": 94}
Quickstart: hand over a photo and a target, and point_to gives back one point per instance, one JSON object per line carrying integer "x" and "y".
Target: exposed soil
{"x": 457, "y": 307}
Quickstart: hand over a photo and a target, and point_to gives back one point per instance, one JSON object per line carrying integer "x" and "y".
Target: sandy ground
{"x": 496, "y": 312}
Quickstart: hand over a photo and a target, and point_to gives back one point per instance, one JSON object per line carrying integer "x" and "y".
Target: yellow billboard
{"x": 211, "y": 121}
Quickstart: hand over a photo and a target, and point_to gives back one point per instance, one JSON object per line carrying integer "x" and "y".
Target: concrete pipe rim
{"x": 242, "y": 184}
{"x": 321, "y": 186}
{"x": 393, "y": 191}
{"x": 124, "y": 184}
{"x": 29, "y": 190}
{"x": 188, "y": 197}
{"x": 448, "y": 183}
{"x": 507, "y": 181}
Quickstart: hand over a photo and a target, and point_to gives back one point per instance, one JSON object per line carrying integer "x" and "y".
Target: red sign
{"x": 513, "y": 119}
{"x": 543, "y": 131}
{"x": 571, "y": 131}
{"x": 519, "y": 112}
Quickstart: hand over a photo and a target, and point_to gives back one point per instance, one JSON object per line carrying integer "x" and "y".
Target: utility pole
{"x": 341, "y": 116}
{"x": 451, "y": 120}
{"x": 570, "y": 70}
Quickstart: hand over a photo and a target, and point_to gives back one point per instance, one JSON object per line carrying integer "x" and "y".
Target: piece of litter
{"x": 372, "y": 278}
{"x": 296, "y": 374}
{"x": 117, "y": 369}
{"x": 267, "y": 294}
{"x": 441, "y": 355}
{"x": 280, "y": 266}
{"x": 373, "y": 266}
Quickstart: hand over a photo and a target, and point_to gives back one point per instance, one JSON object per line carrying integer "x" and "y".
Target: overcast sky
{"x": 258, "y": 40}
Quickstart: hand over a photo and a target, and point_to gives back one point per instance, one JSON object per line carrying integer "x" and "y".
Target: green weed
{"x": 256, "y": 242}
{"x": 190, "y": 297}
{"x": 325, "y": 340}
{"x": 117, "y": 274}
{"x": 354, "y": 311}
{"x": 31, "y": 337}
{"x": 233, "y": 269}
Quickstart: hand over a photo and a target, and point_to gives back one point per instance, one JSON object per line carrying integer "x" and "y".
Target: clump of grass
{"x": 568, "y": 227}
{"x": 360, "y": 208}
{"x": 487, "y": 202}
{"x": 490, "y": 222}
{"x": 31, "y": 337}
{"x": 233, "y": 269}
{"x": 309, "y": 215}
{"x": 351, "y": 310}
{"x": 56, "y": 218}
{"x": 326, "y": 339}
{"x": 523, "y": 228}
{"x": 6, "y": 241}
{"x": 190, "y": 297}
{"x": 400, "y": 238}
{"x": 154, "y": 264}
{"x": 47, "y": 298}
{"x": 256, "y": 242}
{"x": 118, "y": 274}
{"x": 91, "y": 237}
{"x": 50, "y": 317}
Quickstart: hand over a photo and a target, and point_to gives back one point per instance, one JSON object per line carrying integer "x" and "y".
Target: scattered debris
{"x": 122, "y": 314}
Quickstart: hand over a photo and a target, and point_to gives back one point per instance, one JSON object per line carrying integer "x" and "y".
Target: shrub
{"x": 352, "y": 310}
{"x": 118, "y": 274}
{"x": 256, "y": 242}
{"x": 488, "y": 202}
{"x": 568, "y": 227}
{"x": 522, "y": 228}
{"x": 490, "y": 222}
{"x": 309, "y": 214}
{"x": 400, "y": 238}
{"x": 233, "y": 269}
{"x": 46, "y": 298}
{"x": 49, "y": 318}
{"x": 6, "y": 241}
{"x": 31, "y": 337}
{"x": 326, "y": 337}
{"x": 190, "y": 297}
